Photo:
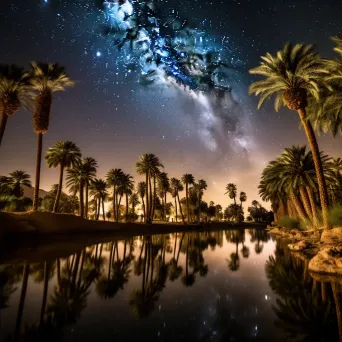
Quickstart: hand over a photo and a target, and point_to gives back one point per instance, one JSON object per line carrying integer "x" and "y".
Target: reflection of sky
{"x": 180, "y": 311}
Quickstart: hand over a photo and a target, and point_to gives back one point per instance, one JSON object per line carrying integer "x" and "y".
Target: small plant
{"x": 290, "y": 222}
{"x": 335, "y": 216}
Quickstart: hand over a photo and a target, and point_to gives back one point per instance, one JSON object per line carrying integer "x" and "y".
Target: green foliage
{"x": 289, "y": 222}
{"x": 14, "y": 204}
{"x": 335, "y": 216}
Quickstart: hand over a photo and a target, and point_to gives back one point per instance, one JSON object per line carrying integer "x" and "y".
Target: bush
{"x": 335, "y": 216}
{"x": 12, "y": 203}
{"x": 290, "y": 222}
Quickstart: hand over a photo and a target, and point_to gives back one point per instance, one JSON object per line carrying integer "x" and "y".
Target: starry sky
{"x": 112, "y": 117}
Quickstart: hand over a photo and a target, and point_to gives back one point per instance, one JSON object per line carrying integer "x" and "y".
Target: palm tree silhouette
{"x": 45, "y": 78}
{"x": 187, "y": 179}
{"x": 293, "y": 75}
{"x": 14, "y": 92}
{"x": 16, "y": 180}
{"x": 64, "y": 154}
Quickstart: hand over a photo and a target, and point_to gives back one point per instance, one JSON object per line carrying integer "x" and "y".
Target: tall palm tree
{"x": 45, "y": 78}
{"x": 114, "y": 178}
{"x": 326, "y": 114}
{"x": 176, "y": 187}
{"x": 98, "y": 190}
{"x": 90, "y": 164}
{"x": 243, "y": 198}
{"x": 81, "y": 174}
{"x": 17, "y": 179}
{"x": 201, "y": 185}
{"x": 294, "y": 74}
{"x": 141, "y": 190}
{"x": 14, "y": 92}
{"x": 64, "y": 154}
{"x": 231, "y": 190}
{"x": 149, "y": 165}
{"x": 187, "y": 179}
{"x": 163, "y": 187}
{"x": 126, "y": 187}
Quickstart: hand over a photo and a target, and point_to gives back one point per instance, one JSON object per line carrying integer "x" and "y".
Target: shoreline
{"x": 321, "y": 248}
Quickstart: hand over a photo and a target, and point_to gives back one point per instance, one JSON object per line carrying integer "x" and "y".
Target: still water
{"x": 234, "y": 285}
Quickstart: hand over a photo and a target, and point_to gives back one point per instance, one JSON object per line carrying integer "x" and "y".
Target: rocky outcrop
{"x": 328, "y": 260}
{"x": 332, "y": 236}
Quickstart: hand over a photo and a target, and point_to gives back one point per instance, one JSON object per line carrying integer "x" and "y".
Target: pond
{"x": 234, "y": 285}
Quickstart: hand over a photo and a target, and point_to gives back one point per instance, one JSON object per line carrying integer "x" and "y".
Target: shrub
{"x": 289, "y": 222}
{"x": 335, "y": 216}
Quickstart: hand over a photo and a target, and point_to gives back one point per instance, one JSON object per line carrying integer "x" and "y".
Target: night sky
{"x": 115, "y": 119}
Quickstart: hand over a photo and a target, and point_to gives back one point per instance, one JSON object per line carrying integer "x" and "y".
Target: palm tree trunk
{"x": 305, "y": 199}
{"x": 323, "y": 193}
{"x": 114, "y": 209}
{"x": 165, "y": 205}
{"x": 154, "y": 196}
{"x": 150, "y": 218}
{"x": 144, "y": 209}
{"x": 86, "y": 199}
{"x": 126, "y": 207}
{"x": 45, "y": 291}
{"x": 176, "y": 208}
{"x": 103, "y": 210}
{"x": 118, "y": 208}
{"x": 313, "y": 206}
{"x": 59, "y": 190}
{"x": 298, "y": 206}
{"x": 81, "y": 198}
{"x": 98, "y": 208}
{"x": 187, "y": 200}
{"x": 180, "y": 208}
{"x": 38, "y": 165}
{"x": 199, "y": 209}
{"x": 21, "y": 301}
{"x": 147, "y": 209}
{"x": 3, "y": 123}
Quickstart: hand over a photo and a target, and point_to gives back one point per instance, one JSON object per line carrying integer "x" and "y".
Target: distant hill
{"x": 28, "y": 192}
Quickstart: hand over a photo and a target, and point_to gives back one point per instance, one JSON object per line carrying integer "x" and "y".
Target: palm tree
{"x": 294, "y": 74}
{"x": 81, "y": 174}
{"x": 114, "y": 178}
{"x": 126, "y": 187}
{"x": 98, "y": 190}
{"x": 16, "y": 180}
{"x": 45, "y": 78}
{"x": 231, "y": 190}
{"x": 134, "y": 201}
{"x": 141, "y": 190}
{"x": 14, "y": 92}
{"x": 243, "y": 198}
{"x": 148, "y": 165}
{"x": 164, "y": 188}
{"x": 201, "y": 186}
{"x": 187, "y": 179}
{"x": 64, "y": 154}
{"x": 176, "y": 187}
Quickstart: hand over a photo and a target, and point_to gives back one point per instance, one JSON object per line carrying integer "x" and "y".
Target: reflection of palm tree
{"x": 189, "y": 278}
{"x": 301, "y": 310}
{"x": 234, "y": 262}
{"x": 22, "y": 300}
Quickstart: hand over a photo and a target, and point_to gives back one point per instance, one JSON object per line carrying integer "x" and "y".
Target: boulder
{"x": 332, "y": 236}
{"x": 328, "y": 261}
{"x": 299, "y": 246}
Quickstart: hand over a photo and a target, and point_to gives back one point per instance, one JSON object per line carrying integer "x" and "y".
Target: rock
{"x": 332, "y": 236}
{"x": 299, "y": 246}
{"x": 276, "y": 231}
{"x": 328, "y": 261}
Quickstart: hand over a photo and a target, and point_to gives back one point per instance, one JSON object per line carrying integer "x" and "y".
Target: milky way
{"x": 125, "y": 103}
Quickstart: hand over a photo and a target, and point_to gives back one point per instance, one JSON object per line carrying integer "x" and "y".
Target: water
{"x": 236, "y": 285}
